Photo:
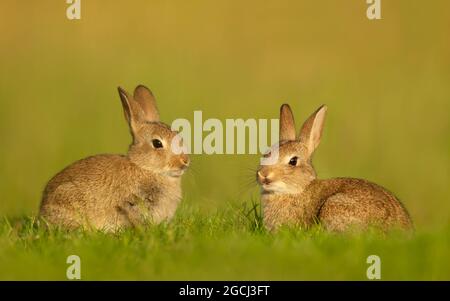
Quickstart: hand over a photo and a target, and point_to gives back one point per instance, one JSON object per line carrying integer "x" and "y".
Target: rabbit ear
{"x": 147, "y": 101}
{"x": 131, "y": 109}
{"x": 124, "y": 98}
{"x": 311, "y": 131}
{"x": 287, "y": 124}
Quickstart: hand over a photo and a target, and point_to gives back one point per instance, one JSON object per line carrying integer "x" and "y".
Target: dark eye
{"x": 293, "y": 161}
{"x": 157, "y": 143}
{"x": 267, "y": 155}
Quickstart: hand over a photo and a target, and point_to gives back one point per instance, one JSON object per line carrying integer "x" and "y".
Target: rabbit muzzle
{"x": 182, "y": 166}
{"x": 265, "y": 179}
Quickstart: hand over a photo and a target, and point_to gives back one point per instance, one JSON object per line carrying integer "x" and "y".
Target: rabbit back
{"x": 359, "y": 203}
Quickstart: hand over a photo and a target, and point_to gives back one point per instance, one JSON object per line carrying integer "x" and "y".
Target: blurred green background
{"x": 386, "y": 83}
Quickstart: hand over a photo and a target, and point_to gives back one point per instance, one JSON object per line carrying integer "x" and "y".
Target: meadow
{"x": 225, "y": 245}
{"x": 386, "y": 84}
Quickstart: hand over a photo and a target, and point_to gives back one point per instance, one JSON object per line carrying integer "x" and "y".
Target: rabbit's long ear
{"x": 131, "y": 109}
{"x": 311, "y": 131}
{"x": 147, "y": 101}
{"x": 287, "y": 124}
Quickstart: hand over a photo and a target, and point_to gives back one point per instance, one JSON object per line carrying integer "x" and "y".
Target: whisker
{"x": 248, "y": 182}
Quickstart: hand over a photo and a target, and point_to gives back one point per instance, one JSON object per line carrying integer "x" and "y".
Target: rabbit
{"x": 292, "y": 195}
{"x": 112, "y": 192}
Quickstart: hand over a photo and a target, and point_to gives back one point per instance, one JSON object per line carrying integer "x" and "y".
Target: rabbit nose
{"x": 264, "y": 179}
{"x": 185, "y": 161}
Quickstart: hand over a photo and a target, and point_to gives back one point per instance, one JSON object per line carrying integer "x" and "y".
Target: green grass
{"x": 227, "y": 245}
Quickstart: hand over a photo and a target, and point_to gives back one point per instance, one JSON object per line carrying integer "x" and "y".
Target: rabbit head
{"x": 292, "y": 171}
{"x": 152, "y": 147}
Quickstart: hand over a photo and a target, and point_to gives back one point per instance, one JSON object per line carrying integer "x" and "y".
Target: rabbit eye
{"x": 293, "y": 161}
{"x": 267, "y": 155}
{"x": 157, "y": 143}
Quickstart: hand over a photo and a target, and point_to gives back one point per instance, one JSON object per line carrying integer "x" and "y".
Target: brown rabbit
{"x": 110, "y": 192}
{"x": 292, "y": 195}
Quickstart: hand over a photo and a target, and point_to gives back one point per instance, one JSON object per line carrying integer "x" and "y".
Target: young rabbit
{"x": 110, "y": 192}
{"x": 292, "y": 195}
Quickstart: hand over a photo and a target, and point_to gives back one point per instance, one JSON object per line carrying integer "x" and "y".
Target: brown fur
{"x": 292, "y": 195}
{"x": 110, "y": 192}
